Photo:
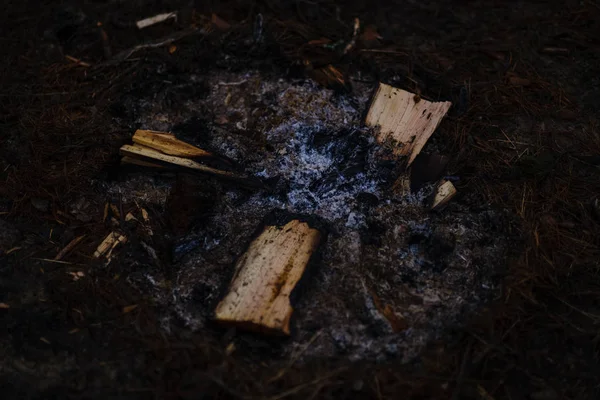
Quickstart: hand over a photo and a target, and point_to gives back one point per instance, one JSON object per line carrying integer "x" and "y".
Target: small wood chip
{"x": 43, "y": 339}
{"x": 108, "y": 244}
{"x": 144, "y": 23}
{"x": 444, "y": 192}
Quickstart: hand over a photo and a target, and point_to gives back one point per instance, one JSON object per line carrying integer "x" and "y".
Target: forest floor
{"x": 523, "y": 136}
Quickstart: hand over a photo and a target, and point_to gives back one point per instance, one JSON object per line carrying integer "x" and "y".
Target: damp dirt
{"x": 390, "y": 277}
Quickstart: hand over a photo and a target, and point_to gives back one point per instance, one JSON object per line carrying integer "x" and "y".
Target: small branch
{"x": 68, "y": 248}
{"x": 352, "y": 42}
{"x": 125, "y": 54}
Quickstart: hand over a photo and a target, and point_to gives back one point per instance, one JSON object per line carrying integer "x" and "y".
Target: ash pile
{"x": 393, "y": 268}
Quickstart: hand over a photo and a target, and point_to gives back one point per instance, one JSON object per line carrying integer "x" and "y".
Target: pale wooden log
{"x": 167, "y": 143}
{"x": 265, "y": 275}
{"x": 404, "y": 118}
{"x": 444, "y": 192}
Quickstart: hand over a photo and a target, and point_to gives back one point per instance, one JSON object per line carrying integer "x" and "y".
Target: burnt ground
{"x": 522, "y": 136}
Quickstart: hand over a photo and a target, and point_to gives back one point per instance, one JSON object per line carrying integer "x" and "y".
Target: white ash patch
{"x": 391, "y": 277}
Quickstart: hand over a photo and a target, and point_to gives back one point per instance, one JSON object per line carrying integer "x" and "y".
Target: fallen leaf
{"x": 128, "y": 309}
{"x": 172, "y": 49}
{"x": 4, "y": 305}
{"x": 43, "y": 339}
{"x": 145, "y": 214}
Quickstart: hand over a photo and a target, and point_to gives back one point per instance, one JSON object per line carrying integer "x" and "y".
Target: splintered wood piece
{"x": 150, "y": 155}
{"x": 265, "y": 275}
{"x": 404, "y": 118}
{"x": 144, "y": 23}
{"x": 444, "y": 192}
{"x": 167, "y": 143}
{"x": 108, "y": 245}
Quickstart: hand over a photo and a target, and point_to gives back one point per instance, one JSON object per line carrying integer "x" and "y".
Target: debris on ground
{"x": 109, "y": 243}
{"x": 386, "y": 279}
{"x": 265, "y": 275}
{"x": 404, "y": 119}
{"x": 76, "y": 275}
{"x": 163, "y": 150}
{"x": 68, "y": 247}
{"x": 146, "y": 22}
{"x": 352, "y": 42}
{"x": 392, "y": 281}
{"x": 167, "y": 40}
{"x": 443, "y": 193}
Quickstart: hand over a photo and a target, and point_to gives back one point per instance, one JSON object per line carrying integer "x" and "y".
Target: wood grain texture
{"x": 147, "y": 154}
{"x": 259, "y": 295}
{"x": 404, "y": 118}
{"x": 167, "y": 143}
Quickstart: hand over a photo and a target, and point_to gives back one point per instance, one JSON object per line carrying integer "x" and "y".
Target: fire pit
{"x": 389, "y": 276}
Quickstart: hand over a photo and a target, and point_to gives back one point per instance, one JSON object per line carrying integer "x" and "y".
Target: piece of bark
{"x": 155, "y": 157}
{"x": 404, "y": 118}
{"x": 444, "y": 192}
{"x": 146, "y": 22}
{"x": 167, "y": 143}
{"x": 265, "y": 275}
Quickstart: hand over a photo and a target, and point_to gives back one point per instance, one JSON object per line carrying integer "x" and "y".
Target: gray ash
{"x": 391, "y": 275}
